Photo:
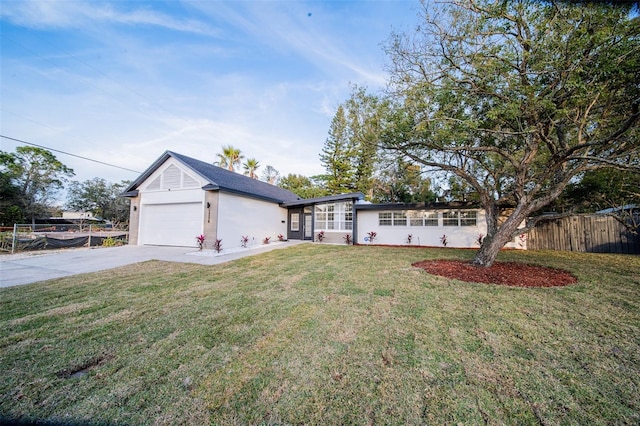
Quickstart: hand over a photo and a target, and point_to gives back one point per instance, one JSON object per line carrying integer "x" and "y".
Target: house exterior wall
{"x": 210, "y": 228}
{"x": 183, "y": 190}
{"x": 134, "y": 220}
{"x": 241, "y": 216}
{"x": 457, "y": 236}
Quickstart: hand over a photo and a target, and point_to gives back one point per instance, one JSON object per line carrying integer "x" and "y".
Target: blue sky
{"x": 123, "y": 81}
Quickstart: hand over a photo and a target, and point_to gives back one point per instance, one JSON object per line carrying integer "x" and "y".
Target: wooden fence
{"x": 595, "y": 234}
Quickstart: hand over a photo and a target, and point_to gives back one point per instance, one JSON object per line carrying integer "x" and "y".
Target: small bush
{"x": 347, "y": 239}
{"x": 443, "y": 240}
{"x": 281, "y": 237}
{"x": 266, "y": 240}
{"x": 244, "y": 240}
{"x": 217, "y": 245}
{"x": 320, "y": 236}
{"x": 372, "y": 235}
{"x": 200, "y": 239}
{"x": 409, "y": 238}
{"x": 111, "y": 242}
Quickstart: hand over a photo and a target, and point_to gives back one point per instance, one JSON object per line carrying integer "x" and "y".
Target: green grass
{"x": 319, "y": 334}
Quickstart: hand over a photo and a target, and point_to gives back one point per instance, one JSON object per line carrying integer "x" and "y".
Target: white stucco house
{"x": 178, "y": 198}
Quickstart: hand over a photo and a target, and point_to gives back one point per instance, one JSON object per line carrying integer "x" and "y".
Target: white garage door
{"x": 171, "y": 224}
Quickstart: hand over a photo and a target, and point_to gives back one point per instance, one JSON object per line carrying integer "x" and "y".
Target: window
{"x": 334, "y": 216}
{"x": 469, "y": 218}
{"x": 460, "y": 218}
{"x": 450, "y": 218}
{"x": 415, "y": 218}
{"x": 384, "y": 219}
{"x": 430, "y": 218}
{"x": 422, "y": 218}
{"x": 295, "y": 221}
{"x": 399, "y": 219}
{"x": 392, "y": 219}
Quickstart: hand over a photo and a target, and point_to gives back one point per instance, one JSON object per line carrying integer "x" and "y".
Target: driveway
{"x": 25, "y": 268}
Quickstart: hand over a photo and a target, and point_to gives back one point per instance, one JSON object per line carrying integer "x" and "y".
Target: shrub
{"x": 320, "y": 236}
{"x": 266, "y": 240}
{"x": 443, "y": 240}
{"x": 217, "y": 245}
{"x": 111, "y": 242}
{"x": 409, "y": 238}
{"x": 281, "y": 237}
{"x": 200, "y": 239}
{"x": 347, "y": 239}
{"x": 244, "y": 239}
{"x": 372, "y": 235}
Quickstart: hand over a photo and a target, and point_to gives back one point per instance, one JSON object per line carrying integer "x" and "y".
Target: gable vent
{"x": 188, "y": 181}
{"x": 155, "y": 184}
{"x": 171, "y": 178}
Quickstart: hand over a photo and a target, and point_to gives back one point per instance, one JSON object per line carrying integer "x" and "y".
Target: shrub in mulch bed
{"x": 503, "y": 273}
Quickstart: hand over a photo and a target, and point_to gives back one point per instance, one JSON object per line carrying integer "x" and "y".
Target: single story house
{"x": 178, "y": 198}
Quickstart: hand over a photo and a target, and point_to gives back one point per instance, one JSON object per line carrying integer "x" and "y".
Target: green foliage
{"x": 515, "y": 99}
{"x": 99, "y": 197}
{"x": 350, "y": 153}
{"x": 229, "y": 158}
{"x": 111, "y": 242}
{"x": 336, "y": 156}
{"x": 401, "y": 181}
{"x": 251, "y": 166}
{"x": 601, "y": 189}
{"x": 302, "y": 186}
{"x": 33, "y": 176}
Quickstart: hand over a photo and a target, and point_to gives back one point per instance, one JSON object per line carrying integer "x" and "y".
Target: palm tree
{"x": 250, "y": 168}
{"x": 230, "y": 158}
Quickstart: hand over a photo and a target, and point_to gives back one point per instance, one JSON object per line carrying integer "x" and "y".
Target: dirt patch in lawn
{"x": 502, "y": 273}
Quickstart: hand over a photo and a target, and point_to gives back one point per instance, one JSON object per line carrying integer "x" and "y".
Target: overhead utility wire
{"x": 68, "y": 153}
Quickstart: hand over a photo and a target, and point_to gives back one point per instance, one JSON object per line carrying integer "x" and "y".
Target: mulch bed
{"x": 503, "y": 273}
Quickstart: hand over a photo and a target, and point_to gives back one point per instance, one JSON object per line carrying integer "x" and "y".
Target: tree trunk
{"x": 492, "y": 244}
{"x": 490, "y": 248}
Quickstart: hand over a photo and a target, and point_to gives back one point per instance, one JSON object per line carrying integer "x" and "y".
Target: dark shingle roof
{"x": 221, "y": 179}
{"x": 327, "y": 199}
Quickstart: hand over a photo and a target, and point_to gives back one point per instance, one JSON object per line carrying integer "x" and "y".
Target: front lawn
{"x": 320, "y": 334}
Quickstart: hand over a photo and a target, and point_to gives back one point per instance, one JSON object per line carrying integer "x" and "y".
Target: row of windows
{"x": 334, "y": 216}
{"x": 426, "y": 218}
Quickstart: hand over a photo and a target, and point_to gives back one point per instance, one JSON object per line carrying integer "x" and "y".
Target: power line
{"x": 68, "y": 153}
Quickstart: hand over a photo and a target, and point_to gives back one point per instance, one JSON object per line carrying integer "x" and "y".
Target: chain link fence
{"x": 27, "y": 237}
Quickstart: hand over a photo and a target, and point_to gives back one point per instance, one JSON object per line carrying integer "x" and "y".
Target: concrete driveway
{"x": 25, "y": 268}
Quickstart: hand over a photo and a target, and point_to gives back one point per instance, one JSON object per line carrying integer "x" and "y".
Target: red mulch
{"x": 502, "y": 273}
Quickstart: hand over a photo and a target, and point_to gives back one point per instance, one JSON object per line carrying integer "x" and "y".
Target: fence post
{"x": 14, "y": 239}
{"x": 89, "y": 240}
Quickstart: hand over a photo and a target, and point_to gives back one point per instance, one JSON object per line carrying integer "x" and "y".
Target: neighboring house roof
{"x": 618, "y": 209}
{"x": 326, "y": 199}
{"x": 219, "y": 179}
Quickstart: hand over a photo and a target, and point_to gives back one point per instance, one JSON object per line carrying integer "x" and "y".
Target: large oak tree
{"x": 516, "y": 98}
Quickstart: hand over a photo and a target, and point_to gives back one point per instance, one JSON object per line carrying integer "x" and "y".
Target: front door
{"x": 308, "y": 227}
{"x": 294, "y": 232}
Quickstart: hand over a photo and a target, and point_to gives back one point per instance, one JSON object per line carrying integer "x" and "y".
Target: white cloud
{"x": 82, "y": 14}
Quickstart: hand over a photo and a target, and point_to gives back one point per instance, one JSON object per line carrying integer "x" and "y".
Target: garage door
{"x": 171, "y": 224}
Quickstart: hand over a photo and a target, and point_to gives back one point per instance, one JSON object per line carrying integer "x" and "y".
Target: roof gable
{"x": 220, "y": 179}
